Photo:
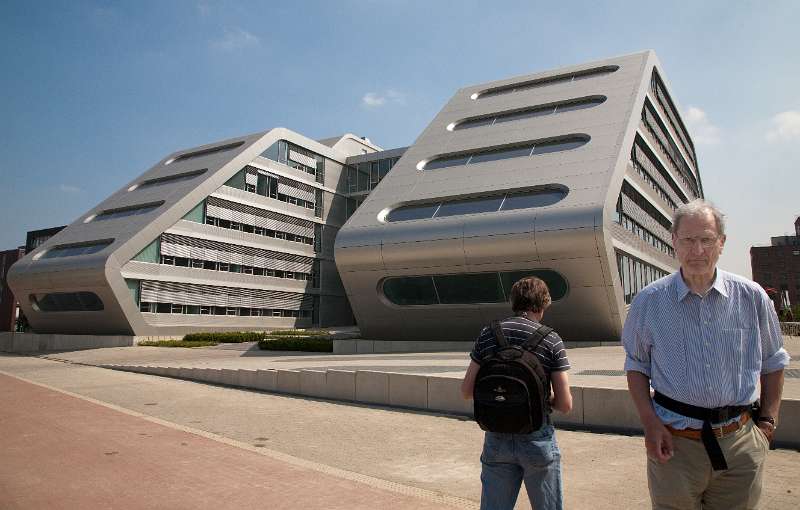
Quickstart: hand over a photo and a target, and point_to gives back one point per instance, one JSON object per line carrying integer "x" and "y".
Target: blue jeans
{"x": 508, "y": 459}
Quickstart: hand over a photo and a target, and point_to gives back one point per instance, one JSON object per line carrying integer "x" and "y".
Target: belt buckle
{"x": 734, "y": 428}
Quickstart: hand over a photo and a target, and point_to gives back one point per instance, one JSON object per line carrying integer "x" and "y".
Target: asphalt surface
{"x": 181, "y": 444}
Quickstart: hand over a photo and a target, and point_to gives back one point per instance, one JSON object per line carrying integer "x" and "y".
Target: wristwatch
{"x": 768, "y": 419}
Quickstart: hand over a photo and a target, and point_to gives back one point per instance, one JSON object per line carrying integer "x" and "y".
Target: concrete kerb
{"x": 594, "y": 408}
{"x": 372, "y": 387}
{"x": 341, "y": 385}
{"x": 313, "y": 383}
{"x": 288, "y": 382}
{"x": 408, "y": 390}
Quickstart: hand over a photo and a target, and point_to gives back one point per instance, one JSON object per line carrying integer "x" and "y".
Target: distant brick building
{"x": 8, "y": 304}
{"x": 778, "y": 266}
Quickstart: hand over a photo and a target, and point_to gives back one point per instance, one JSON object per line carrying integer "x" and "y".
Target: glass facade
{"x": 529, "y": 113}
{"x": 497, "y": 154}
{"x": 72, "y": 250}
{"x": 297, "y": 157}
{"x": 122, "y": 212}
{"x": 462, "y": 289}
{"x": 635, "y": 275}
{"x": 365, "y": 176}
{"x": 550, "y": 80}
{"x": 66, "y": 302}
{"x": 183, "y": 176}
{"x": 205, "y": 152}
{"x": 501, "y": 202}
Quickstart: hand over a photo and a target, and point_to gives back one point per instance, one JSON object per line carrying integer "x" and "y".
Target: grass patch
{"x": 177, "y": 343}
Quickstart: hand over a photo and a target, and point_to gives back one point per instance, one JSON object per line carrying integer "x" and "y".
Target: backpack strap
{"x": 498, "y": 334}
{"x": 540, "y": 334}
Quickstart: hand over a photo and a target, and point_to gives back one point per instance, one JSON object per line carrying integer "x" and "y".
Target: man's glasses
{"x": 705, "y": 242}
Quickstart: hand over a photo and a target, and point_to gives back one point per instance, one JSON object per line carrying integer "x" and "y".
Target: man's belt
{"x": 722, "y": 431}
{"x": 708, "y": 416}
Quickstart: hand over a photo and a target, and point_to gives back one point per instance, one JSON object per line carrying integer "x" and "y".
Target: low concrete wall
{"x": 41, "y": 342}
{"x": 602, "y": 409}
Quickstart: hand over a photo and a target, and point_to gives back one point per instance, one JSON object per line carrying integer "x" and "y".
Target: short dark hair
{"x": 530, "y": 293}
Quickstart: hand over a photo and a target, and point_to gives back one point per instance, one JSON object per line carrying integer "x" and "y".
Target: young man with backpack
{"x": 515, "y": 364}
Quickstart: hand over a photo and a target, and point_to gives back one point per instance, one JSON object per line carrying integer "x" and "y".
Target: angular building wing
{"x": 233, "y": 235}
{"x": 571, "y": 175}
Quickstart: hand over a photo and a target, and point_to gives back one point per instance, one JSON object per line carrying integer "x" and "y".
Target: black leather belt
{"x": 708, "y": 416}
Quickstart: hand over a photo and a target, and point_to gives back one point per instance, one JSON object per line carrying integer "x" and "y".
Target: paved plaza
{"x": 80, "y": 436}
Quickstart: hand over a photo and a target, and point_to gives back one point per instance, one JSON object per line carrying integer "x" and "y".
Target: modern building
{"x": 778, "y": 266}
{"x": 571, "y": 174}
{"x": 228, "y": 236}
{"x": 9, "y": 308}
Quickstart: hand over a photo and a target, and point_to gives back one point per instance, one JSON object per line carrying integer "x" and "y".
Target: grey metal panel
{"x": 568, "y": 237}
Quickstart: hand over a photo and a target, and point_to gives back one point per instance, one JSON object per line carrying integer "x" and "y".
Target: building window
{"x": 528, "y": 113}
{"x": 297, "y": 157}
{"x": 543, "y": 82}
{"x": 497, "y": 154}
{"x": 66, "y": 302}
{"x": 72, "y": 250}
{"x": 122, "y": 212}
{"x": 158, "y": 181}
{"x": 635, "y": 274}
{"x": 461, "y": 289}
{"x": 204, "y": 152}
{"x": 492, "y": 203}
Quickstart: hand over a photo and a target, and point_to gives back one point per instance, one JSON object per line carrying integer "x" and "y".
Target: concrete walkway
{"x": 64, "y": 452}
{"x": 413, "y": 454}
{"x": 425, "y": 381}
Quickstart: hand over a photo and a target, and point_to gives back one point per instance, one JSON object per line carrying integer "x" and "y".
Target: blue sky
{"x": 94, "y": 93}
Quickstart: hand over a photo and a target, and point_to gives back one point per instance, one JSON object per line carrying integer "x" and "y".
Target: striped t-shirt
{"x": 517, "y": 330}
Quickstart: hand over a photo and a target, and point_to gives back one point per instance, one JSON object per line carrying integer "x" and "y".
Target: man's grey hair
{"x": 698, "y": 207}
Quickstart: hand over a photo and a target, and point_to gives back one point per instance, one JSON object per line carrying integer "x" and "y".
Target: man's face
{"x": 697, "y": 244}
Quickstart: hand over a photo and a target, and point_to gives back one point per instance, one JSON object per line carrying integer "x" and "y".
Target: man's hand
{"x": 658, "y": 441}
{"x": 767, "y": 428}
{"x": 657, "y": 437}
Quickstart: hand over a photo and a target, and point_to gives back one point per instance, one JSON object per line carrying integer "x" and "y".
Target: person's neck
{"x": 531, "y": 315}
{"x": 699, "y": 283}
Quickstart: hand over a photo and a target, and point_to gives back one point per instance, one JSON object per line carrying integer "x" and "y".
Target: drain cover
{"x": 602, "y": 372}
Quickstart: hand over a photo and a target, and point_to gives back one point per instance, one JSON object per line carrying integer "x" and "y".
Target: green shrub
{"x": 177, "y": 343}
{"x": 296, "y": 343}
{"x": 230, "y": 337}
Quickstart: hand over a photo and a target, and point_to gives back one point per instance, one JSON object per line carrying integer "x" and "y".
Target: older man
{"x": 702, "y": 338}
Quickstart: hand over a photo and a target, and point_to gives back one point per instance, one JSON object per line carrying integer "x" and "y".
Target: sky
{"x": 95, "y": 93}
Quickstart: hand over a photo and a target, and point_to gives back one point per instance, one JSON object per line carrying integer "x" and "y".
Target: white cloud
{"x": 234, "y": 39}
{"x": 702, "y": 130}
{"x": 376, "y": 100}
{"x": 66, "y": 188}
{"x": 372, "y": 100}
{"x": 785, "y": 126}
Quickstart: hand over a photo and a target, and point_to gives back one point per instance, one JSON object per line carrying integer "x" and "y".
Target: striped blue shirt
{"x": 708, "y": 351}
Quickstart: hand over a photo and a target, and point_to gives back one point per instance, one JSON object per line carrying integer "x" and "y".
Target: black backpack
{"x": 512, "y": 391}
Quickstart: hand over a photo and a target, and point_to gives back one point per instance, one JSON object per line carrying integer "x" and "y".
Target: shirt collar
{"x": 682, "y": 290}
